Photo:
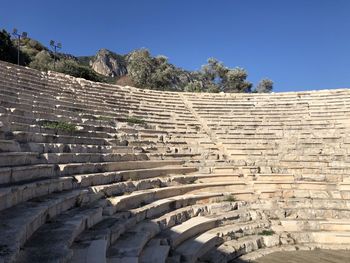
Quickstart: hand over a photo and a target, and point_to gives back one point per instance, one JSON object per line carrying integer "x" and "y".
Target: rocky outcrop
{"x": 109, "y": 64}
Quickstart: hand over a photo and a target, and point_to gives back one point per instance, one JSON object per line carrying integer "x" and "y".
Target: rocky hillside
{"x": 109, "y": 64}
{"x": 137, "y": 68}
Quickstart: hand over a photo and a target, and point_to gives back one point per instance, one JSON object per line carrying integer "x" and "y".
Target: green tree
{"x": 217, "y": 77}
{"x": 214, "y": 70}
{"x": 164, "y": 74}
{"x": 140, "y": 67}
{"x": 42, "y": 61}
{"x": 195, "y": 86}
{"x": 264, "y": 86}
{"x": 149, "y": 72}
{"x": 8, "y": 52}
{"x": 235, "y": 81}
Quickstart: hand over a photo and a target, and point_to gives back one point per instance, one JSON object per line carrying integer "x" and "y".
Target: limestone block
{"x": 271, "y": 241}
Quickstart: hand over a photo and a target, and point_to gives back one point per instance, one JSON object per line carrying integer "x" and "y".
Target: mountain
{"x": 109, "y": 64}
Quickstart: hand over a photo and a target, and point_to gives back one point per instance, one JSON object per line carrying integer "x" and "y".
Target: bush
{"x": 59, "y": 126}
{"x": 267, "y": 233}
{"x": 134, "y": 120}
{"x": 230, "y": 198}
{"x": 42, "y": 61}
{"x": 71, "y": 67}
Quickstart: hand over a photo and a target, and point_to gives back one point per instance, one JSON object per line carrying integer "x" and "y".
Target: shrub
{"x": 42, "y": 61}
{"x": 267, "y": 233}
{"x": 134, "y": 120}
{"x": 230, "y": 198}
{"x": 59, "y": 126}
{"x": 104, "y": 118}
{"x": 71, "y": 67}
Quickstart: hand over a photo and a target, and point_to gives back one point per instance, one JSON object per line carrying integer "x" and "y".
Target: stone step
{"x": 194, "y": 226}
{"x": 321, "y": 237}
{"x": 235, "y": 169}
{"x": 65, "y": 148}
{"x": 154, "y": 252}
{"x": 64, "y": 158}
{"x": 198, "y": 246}
{"x": 148, "y": 143}
{"x": 163, "y": 206}
{"x": 211, "y": 178}
{"x": 10, "y": 175}
{"x": 82, "y": 130}
{"x": 241, "y": 177}
{"x": 189, "y": 227}
{"x": 27, "y": 137}
{"x": 298, "y": 225}
{"x": 344, "y": 186}
{"x": 9, "y": 146}
{"x": 338, "y": 252}
{"x": 126, "y": 149}
{"x": 233, "y": 249}
{"x": 86, "y": 168}
{"x": 302, "y": 203}
{"x": 109, "y": 230}
{"x": 295, "y": 185}
{"x": 52, "y": 241}
{"x": 18, "y": 223}
{"x": 170, "y": 156}
{"x": 15, "y": 194}
{"x": 10, "y": 159}
{"x": 275, "y": 177}
{"x": 253, "y": 226}
{"x": 133, "y": 200}
{"x": 131, "y": 243}
{"x": 107, "y": 179}
{"x": 29, "y": 114}
{"x": 207, "y": 239}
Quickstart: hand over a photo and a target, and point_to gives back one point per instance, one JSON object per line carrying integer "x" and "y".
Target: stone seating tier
{"x": 155, "y": 176}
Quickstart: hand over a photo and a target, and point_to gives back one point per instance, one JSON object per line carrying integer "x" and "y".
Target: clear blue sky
{"x": 300, "y": 44}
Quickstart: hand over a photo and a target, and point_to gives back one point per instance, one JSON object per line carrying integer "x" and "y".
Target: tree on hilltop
{"x": 150, "y": 72}
{"x": 217, "y": 77}
{"x": 264, "y": 86}
{"x": 8, "y": 52}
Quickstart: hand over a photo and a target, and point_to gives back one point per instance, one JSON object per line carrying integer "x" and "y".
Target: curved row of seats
{"x": 91, "y": 172}
{"x": 303, "y": 133}
{"x": 50, "y": 175}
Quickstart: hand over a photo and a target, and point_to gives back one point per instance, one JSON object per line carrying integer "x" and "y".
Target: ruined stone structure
{"x": 92, "y": 172}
